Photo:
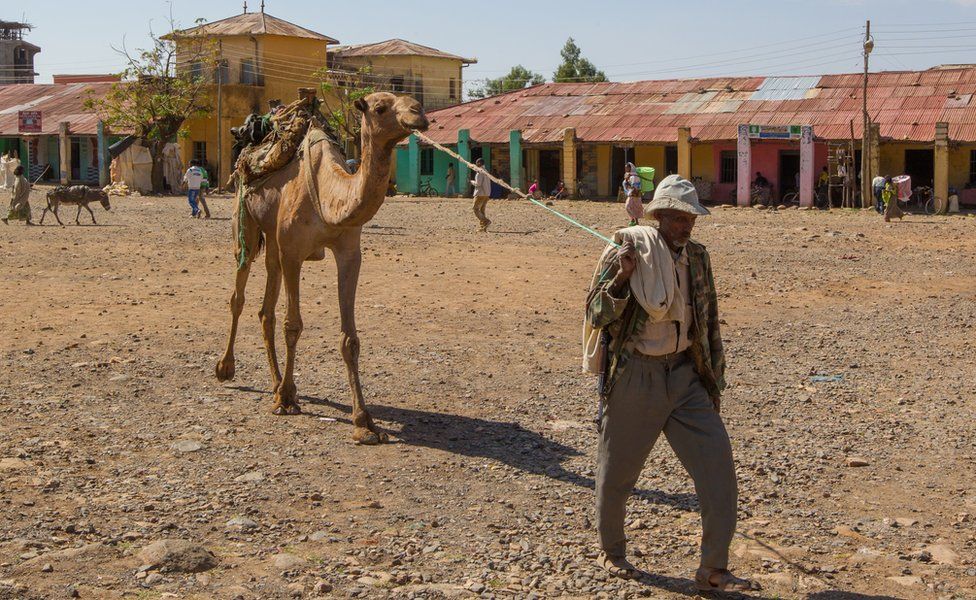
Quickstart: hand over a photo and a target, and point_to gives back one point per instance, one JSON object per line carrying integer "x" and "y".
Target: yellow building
{"x": 261, "y": 58}
{"x": 430, "y": 75}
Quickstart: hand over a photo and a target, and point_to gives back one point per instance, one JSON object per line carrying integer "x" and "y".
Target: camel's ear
{"x": 361, "y": 105}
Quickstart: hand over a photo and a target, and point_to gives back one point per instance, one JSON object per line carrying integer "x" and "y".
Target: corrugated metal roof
{"x": 397, "y": 47}
{"x": 785, "y": 88}
{"x": 903, "y": 103}
{"x": 259, "y": 23}
{"x": 58, "y": 102}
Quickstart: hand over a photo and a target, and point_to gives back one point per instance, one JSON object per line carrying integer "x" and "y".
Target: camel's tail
{"x": 248, "y": 237}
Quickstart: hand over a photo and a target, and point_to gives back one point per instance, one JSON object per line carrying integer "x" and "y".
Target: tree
{"x": 158, "y": 92}
{"x": 341, "y": 87}
{"x": 575, "y": 68}
{"x": 516, "y": 79}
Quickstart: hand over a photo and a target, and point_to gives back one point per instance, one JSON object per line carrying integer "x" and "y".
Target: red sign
{"x": 29, "y": 121}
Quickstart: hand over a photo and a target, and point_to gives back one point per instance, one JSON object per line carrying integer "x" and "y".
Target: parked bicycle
{"x": 923, "y": 197}
{"x": 427, "y": 189}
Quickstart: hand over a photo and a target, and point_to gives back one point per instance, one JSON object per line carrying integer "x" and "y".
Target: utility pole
{"x": 220, "y": 114}
{"x": 866, "y": 200}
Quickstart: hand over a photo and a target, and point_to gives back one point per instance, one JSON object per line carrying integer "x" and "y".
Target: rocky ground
{"x": 129, "y": 471}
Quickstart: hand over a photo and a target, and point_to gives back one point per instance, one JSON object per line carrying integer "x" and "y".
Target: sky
{"x": 629, "y": 40}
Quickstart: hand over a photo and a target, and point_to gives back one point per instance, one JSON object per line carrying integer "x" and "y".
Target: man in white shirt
{"x": 193, "y": 178}
{"x": 482, "y": 191}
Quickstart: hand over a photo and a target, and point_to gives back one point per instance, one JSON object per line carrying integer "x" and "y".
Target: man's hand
{"x": 627, "y": 258}
{"x": 717, "y": 403}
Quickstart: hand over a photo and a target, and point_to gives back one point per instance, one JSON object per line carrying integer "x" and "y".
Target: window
{"x": 196, "y": 71}
{"x": 453, "y": 89}
{"x": 200, "y": 152}
{"x": 222, "y": 72}
{"x": 249, "y": 72}
{"x": 427, "y": 161}
{"x": 972, "y": 166}
{"x": 396, "y": 84}
{"x": 728, "y": 171}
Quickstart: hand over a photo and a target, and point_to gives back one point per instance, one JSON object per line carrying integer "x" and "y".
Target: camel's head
{"x": 390, "y": 118}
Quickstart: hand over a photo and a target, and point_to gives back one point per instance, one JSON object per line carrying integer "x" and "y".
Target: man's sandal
{"x": 727, "y": 582}
{"x": 618, "y": 566}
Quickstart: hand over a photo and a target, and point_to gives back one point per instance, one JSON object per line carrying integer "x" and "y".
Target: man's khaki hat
{"x": 675, "y": 193}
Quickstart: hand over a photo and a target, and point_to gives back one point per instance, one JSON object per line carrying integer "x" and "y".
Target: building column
{"x": 569, "y": 161}
{"x": 684, "y": 152}
{"x": 103, "y": 156}
{"x": 807, "y": 171}
{"x": 941, "y": 184}
{"x": 515, "y": 158}
{"x": 744, "y": 168}
{"x": 64, "y": 151}
{"x": 412, "y": 185}
{"x": 463, "y": 172}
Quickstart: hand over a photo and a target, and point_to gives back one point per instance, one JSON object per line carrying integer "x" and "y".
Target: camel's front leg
{"x": 226, "y": 365}
{"x": 286, "y": 400}
{"x": 348, "y": 260}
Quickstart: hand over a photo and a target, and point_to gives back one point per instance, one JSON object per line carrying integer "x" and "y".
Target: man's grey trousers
{"x": 665, "y": 394}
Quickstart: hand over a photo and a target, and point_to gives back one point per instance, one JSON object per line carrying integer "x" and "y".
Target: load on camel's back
{"x": 81, "y": 195}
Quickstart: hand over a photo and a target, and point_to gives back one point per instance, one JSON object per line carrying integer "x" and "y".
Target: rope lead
{"x": 516, "y": 191}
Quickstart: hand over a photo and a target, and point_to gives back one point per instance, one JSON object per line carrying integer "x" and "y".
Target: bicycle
{"x": 792, "y": 197}
{"x": 924, "y": 199}
{"x": 427, "y": 189}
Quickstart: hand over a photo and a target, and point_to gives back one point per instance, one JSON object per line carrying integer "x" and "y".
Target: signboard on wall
{"x": 775, "y": 132}
{"x": 29, "y": 121}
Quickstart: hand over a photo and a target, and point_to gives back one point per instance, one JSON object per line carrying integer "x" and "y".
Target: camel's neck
{"x": 365, "y": 191}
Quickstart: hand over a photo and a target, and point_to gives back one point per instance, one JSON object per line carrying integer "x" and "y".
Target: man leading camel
{"x": 656, "y": 298}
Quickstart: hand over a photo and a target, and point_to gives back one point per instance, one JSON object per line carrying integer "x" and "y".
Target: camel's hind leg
{"x": 252, "y": 238}
{"x": 267, "y": 313}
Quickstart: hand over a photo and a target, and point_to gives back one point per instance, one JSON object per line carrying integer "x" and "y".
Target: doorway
{"x": 670, "y": 160}
{"x": 920, "y": 166}
{"x": 550, "y": 170}
{"x": 789, "y": 171}
{"x": 75, "y": 159}
{"x": 618, "y": 158}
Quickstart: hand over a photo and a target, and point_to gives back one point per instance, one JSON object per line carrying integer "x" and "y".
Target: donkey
{"x": 75, "y": 194}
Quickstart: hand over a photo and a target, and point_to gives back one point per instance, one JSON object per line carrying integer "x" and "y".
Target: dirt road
{"x": 850, "y": 342}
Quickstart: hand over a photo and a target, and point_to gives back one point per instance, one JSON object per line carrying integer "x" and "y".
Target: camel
{"x": 310, "y": 205}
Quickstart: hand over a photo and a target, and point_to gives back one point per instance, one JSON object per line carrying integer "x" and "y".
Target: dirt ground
{"x": 849, "y": 341}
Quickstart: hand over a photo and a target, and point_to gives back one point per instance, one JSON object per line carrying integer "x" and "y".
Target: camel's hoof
{"x": 369, "y": 438}
{"x": 286, "y": 408}
{"x": 225, "y": 370}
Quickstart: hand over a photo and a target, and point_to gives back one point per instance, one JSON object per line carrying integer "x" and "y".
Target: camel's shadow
{"x": 506, "y": 442}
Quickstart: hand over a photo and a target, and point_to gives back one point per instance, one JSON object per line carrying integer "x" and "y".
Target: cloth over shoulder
{"x": 654, "y": 285}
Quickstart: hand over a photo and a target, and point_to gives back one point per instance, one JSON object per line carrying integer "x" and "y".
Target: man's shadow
{"x": 506, "y": 442}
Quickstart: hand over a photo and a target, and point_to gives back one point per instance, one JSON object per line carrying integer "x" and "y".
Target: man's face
{"x": 675, "y": 226}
